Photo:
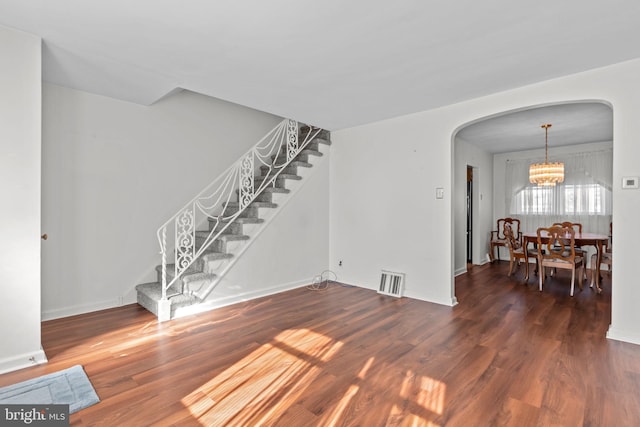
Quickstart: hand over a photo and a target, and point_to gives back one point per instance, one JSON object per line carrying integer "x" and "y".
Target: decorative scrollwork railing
{"x": 237, "y": 184}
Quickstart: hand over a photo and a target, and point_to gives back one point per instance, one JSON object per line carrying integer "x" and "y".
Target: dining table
{"x": 581, "y": 239}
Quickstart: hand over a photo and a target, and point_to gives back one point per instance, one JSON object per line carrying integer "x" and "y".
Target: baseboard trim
{"x": 22, "y": 361}
{"x": 234, "y": 299}
{"x": 79, "y": 309}
{"x": 631, "y": 337}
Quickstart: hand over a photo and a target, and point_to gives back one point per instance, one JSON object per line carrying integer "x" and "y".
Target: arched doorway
{"x": 488, "y": 143}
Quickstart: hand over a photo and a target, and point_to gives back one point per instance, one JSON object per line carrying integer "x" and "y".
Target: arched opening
{"x": 500, "y": 148}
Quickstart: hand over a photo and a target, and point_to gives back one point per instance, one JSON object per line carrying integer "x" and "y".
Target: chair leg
{"x": 510, "y": 267}
{"x": 526, "y": 270}
{"x": 540, "y": 278}
{"x": 583, "y": 276}
{"x": 573, "y": 278}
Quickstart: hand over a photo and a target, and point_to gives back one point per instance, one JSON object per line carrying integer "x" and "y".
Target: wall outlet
{"x": 340, "y": 263}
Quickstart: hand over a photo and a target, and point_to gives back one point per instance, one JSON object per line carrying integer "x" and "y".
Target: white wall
{"x": 482, "y": 162}
{"x": 384, "y": 211}
{"x": 20, "y": 103}
{"x": 383, "y": 207}
{"x": 113, "y": 172}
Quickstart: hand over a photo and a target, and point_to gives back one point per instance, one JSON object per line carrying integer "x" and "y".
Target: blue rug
{"x": 70, "y": 386}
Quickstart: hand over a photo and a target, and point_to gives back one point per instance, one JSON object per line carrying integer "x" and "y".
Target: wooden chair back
{"x": 575, "y": 225}
{"x": 513, "y": 222}
{"x": 512, "y": 242}
{"x": 560, "y": 245}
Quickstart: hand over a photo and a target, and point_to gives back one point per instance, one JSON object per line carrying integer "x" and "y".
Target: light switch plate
{"x": 439, "y": 193}
{"x": 630, "y": 182}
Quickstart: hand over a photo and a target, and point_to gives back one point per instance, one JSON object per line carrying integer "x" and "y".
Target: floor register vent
{"x": 391, "y": 284}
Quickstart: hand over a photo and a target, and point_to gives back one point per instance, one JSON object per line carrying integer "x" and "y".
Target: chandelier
{"x": 546, "y": 174}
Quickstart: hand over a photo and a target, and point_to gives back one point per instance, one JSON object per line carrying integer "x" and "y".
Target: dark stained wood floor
{"x": 505, "y": 355}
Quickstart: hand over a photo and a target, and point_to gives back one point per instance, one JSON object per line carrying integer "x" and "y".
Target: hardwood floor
{"x": 505, "y": 355}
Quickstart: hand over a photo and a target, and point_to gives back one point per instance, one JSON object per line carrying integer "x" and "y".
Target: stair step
{"x": 269, "y": 190}
{"x": 225, "y": 237}
{"x": 239, "y": 220}
{"x": 215, "y": 256}
{"x": 149, "y": 294}
{"x": 290, "y": 168}
{"x": 281, "y": 176}
{"x": 233, "y": 227}
{"x": 236, "y": 205}
{"x": 171, "y": 268}
{"x": 305, "y": 130}
{"x": 194, "y": 277}
{"x": 276, "y": 190}
{"x": 309, "y": 152}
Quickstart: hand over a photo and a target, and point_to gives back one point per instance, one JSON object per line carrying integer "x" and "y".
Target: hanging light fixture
{"x": 546, "y": 174}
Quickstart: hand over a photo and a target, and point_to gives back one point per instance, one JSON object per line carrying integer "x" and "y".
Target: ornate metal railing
{"x": 227, "y": 197}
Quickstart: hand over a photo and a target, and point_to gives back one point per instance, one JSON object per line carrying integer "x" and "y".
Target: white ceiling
{"x": 571, "y": 124}
{"x": 331, "y": 63}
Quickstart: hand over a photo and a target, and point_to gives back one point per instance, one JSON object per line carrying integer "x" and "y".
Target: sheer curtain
{"x": 584, "y": 196}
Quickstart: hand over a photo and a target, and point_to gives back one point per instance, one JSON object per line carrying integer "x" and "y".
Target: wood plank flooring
{"x": 506, "y": 355}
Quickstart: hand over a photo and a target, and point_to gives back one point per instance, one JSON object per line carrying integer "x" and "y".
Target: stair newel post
{"x": 164, "y": 263}
{"x": 292, "y": 139}
{"x": 246, "y": 182}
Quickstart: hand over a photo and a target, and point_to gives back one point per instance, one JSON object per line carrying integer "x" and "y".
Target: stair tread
{"x": 210, "y": 256}
{"x": 187, "y": 277}
{"x": 223, "y": 236}
{"x": 282, "y": 175}
{"x": 312, "y": 152}
{"x": 254, "y": 204}
{"x": 276, "y": 190}
{"x": 240, "y": 220}
{"x": 321, "y": 141}
{"x": 153, "y": 290}
{"x": 190, "y": 277}
{"x": 293, "y": 163}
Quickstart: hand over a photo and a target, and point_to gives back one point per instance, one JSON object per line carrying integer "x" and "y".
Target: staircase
{"x": 207, "y": 236}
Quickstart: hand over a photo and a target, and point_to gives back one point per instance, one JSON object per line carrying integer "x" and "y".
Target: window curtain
{"x": 584, "y": 196}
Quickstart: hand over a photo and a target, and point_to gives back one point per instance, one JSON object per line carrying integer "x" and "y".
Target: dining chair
{"x": 577, "y": 227}
{"x": 518, "y": 252}
{"x": 606, "y": 259}
{"x": 498, "y": 238}
{"x": 560, "y": 252}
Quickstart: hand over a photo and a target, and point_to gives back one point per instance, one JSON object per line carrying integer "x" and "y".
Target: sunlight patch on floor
{"x": 333, "y": 418}
{"x": 265, "y": 383}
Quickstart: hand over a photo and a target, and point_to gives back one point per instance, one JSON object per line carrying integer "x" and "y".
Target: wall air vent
{"x": 391, "y": 284}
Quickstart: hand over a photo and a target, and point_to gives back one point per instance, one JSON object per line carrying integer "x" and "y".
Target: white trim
{"x": 460, "y": 271}
{"x": 448, "y": 302}
{"x": 632, "y": 337}
{"x": 80, "y": 309}
{"x": 22, "y": 361}
{"x": 225, "y": 301}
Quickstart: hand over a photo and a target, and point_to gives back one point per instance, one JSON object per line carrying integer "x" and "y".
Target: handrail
{"x": 236, "y": 185}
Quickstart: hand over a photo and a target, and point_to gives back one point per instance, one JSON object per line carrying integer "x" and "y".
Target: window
{"x": 572, "y": 199}
{"x": 585, "y": 196}
{"x": 585, "y": 199}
